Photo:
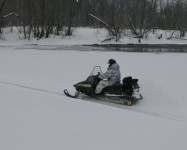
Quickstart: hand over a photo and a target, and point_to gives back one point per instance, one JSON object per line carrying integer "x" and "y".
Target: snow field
{"x": 34, "y": 115}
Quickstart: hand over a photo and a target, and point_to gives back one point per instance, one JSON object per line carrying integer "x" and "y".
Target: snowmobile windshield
{"x": 96, "y": 71}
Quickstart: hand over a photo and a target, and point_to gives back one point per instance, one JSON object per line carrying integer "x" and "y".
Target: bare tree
{"x": 72, "y": 9}
{"x": 2, "y": 5}
{"x": 141, "y": 18}
{"x": 43, "y": 17}
{"x": 60, "y": 14}
{"x": 106, "y": 26}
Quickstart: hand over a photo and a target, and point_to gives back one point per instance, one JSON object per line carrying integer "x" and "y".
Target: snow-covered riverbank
{"x": 82, "y": 36}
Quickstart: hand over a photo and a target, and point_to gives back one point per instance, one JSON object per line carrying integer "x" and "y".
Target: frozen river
{"x": 157, "y": 48}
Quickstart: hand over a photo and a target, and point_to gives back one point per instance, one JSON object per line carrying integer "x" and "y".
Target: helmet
{"x": 111, "y": 61}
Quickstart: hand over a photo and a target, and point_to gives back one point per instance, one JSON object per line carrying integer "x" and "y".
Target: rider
{"x": 112, "y": 76}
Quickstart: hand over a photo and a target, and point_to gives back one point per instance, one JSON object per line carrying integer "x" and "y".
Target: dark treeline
{"x": 43, "y": 17}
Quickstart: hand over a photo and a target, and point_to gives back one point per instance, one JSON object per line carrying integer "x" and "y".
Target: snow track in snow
{"x": 31, "y": 88}
{"x": 90, "y": 99}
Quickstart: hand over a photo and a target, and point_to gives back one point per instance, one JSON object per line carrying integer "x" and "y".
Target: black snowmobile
{"x": 125, "y": 93}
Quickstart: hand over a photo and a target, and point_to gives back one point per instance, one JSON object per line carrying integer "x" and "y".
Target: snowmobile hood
{"x": 114, "y": 67}
{"x": 86, "y": 85}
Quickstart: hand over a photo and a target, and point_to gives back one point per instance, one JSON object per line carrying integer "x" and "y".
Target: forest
{"x": 40, "y": 18}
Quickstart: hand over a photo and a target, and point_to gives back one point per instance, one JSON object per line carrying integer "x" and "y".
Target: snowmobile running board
{"x": 106, "y": 98}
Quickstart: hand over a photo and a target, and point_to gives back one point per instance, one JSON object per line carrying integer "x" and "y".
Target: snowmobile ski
{"x": 69, "y": 95}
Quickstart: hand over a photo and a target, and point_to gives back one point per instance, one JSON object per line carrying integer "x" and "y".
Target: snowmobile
{"x": 125, "y": 93}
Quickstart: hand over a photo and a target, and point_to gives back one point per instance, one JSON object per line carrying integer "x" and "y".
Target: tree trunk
{"x": 42, "y": 18}
{"x": 70, "y": 19}
{"x": 1, "y": 17}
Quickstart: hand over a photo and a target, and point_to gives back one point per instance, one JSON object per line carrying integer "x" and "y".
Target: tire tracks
{"x": 31, "y": 88}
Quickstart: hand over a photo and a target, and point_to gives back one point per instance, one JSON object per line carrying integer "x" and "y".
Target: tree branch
{"x": 12, "y": 13}
{"x": 104, "y": 23}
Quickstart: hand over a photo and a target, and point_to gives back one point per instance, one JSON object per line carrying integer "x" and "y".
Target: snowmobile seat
{"x": 115, "y": 89}
{"x": 118, "y": 85}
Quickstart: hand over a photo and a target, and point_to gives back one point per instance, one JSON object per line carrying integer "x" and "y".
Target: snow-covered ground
{"x": 35, "y": 115}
